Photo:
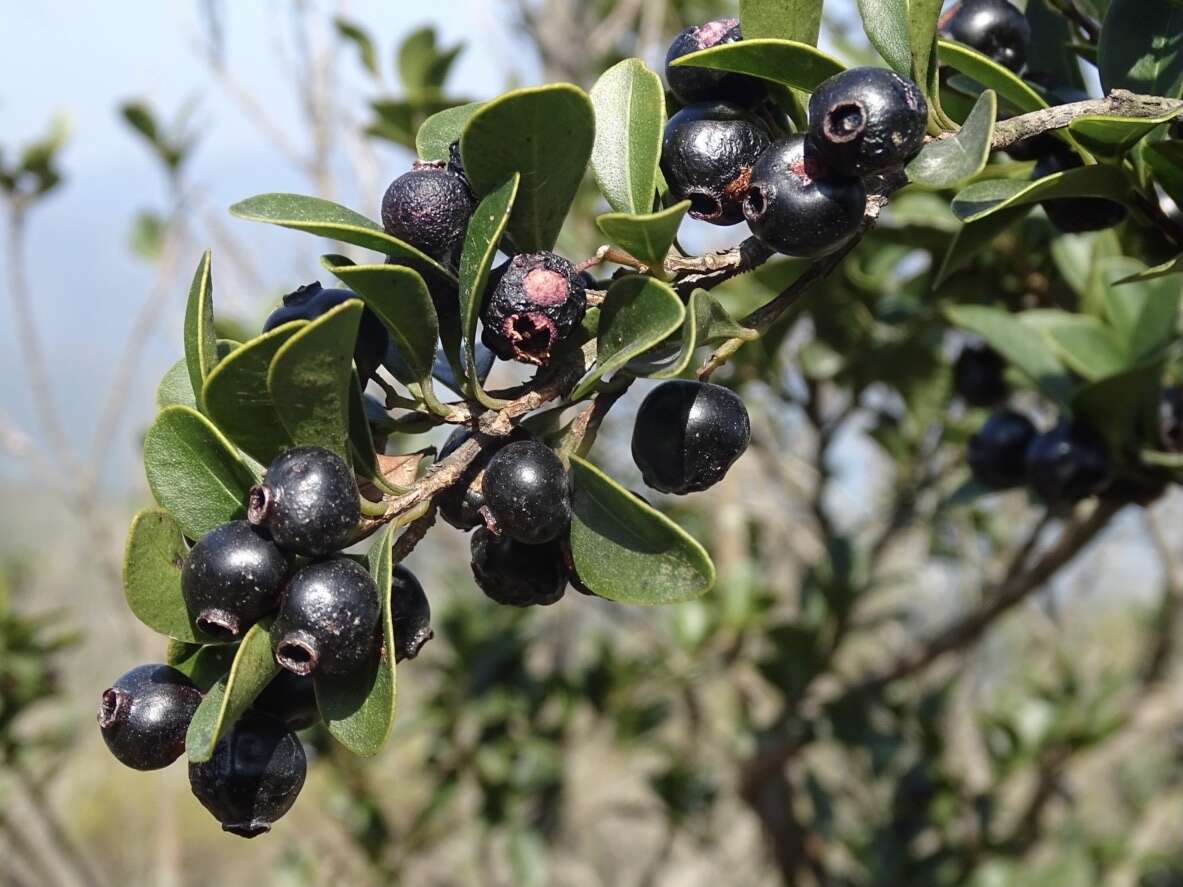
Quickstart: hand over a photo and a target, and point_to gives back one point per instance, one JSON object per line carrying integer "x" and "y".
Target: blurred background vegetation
{"x": 877, "y": 692}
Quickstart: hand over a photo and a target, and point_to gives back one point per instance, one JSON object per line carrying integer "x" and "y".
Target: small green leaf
{"x": 948, "y": 162}
{"x": 441, "y": 129}
{"x": 193, "y": 471}
{"x": 1022, "y": 346}
{"x": 546, "y": 134}
{"x": 204, "y": 666}
{"x": 422, "y": 65}
{"x": 638, "y": 312}
{"x": 922, "y": 30}
{"x": 152, "y": 563}
{"x": 361, "y": 438}
{"x": 992, "y": 75}
{"x": 358, "y": 36}
{"x": 1114, "y": 137}
{"x": 1051, "y": 32}
{"x": 646, "y": 236}
{"x": 1141, "y": 47}
{"x": 625, "y": 551}
{"x": 629, "y": 103}
{"x": 358, "y": 709}
{"x": 327, "y": 219}
{"x": 798, "y": 20}
{"x": 975, "y": 237}
{"x": 201, "y": 340}
{"x": 1123, "y": 407}
{"x": 706, "y": 321}
{"x": 1144, "y": 313}
{"x": 1167, "y": 268}
{"x": 175, "y": 388}
{"x": 1082, "y": 342}
{"x": 795, "y": 65}
{"x": 984, "y": 198}
{"x": 253, "y": 669}
{"x": 1165, "y": 158}
{"x": 886, "y": 25}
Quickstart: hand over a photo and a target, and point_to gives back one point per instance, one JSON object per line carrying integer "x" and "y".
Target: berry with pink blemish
{"x": 535, "y": 301}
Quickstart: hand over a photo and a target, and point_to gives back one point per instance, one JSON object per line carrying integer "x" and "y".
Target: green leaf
{"x": 1167, "y": 268}
{"x": 795, "y": 65}
{"x": 1051, "y": 32}
{"x": 175, "y": 388}
{"x": 1141, "y": 47}
{"x": 1022, "y": 346}
{"x": 638, "y": 312}
{"x": 1114, "y": 137}
{"x": 991, "y": 75}
{"x": 1123, "y": 407}
{"x": 975, "y": 237}
{"x": 358, "y": 709}
{"x": 152, "y": 562}
{"x": 983, "y": 198}
{"x": 204, "y": 666}
{"x": 706, "y": 321}
{"x": 647, "y": 236}
{"x": 886, "y": 25}
{"x": 629, "y": 103}
{"x": 440, "y": 130}
{"x": 327, "y": 219}
{"x": 950, "y": 161}
{"x": 546, "y": 134}
{"x": 1166, "y": 160}
{"x": 193, "y": 471}
{"x": 1144, "y": 312}
{"x": 422, "y": 66}
{"x": 1082, "y": 342}
{"x": 798, "y": 20}
{"x": 625, "y": 551}
{"x": 922, "y": 30}
{"x": 358, "y": 36}
{"x": 201, "y": 340}
{"x": 398, "y": 120}
{"x": 253, "y": 669}
{"x": 310, "y": 376}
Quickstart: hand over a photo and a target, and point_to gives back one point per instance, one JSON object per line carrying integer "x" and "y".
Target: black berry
{"x": 707, "y": 154}
{"x": 291, "y": 698}
{"x": 688, "y": 434}
{"x": 995, "y": 28}
{"x": 411, "y": 614}
{"x": 692, "y": 85}
{"x": 311, "y": 301}
{"x": 1075, "y": 215}
{"x": 461, "y": 503}
{"x": 429, "y": 208}
{"x": 997, "y": 452}
{"x": 327, "y": 619}
{"x": 866, "y": 120}
{"x": 1170, "y": 416}
{"x": 797, "y": 205}
{"x": 144, "y": 715}
{"x": 534, "y": 301}
{"x": 978, "y": 376}
{"x": 518, "y": 575}
{"x": 253, "y": 777}
{"x": 231, "y": 577}
{"x": 527, "y": 492}
{"x": 308, "y": 500}
{"x": 1068, "y": 464}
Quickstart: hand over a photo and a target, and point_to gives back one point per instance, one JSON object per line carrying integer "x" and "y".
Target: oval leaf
{"x": 922, "y": 31}
{"x": 201, "y": 340}
{"x": 798, "y": 20}
{"x": 796, "y": 65}
{"x": 1083, "y": 343}
{"x": 706, "y": 321}
{"x": 204, "y": 666}
{"x": 1114, "y": 137}
{"x": 629, "y": 103}
{"x": 948, "y": 162}
{"x": 983, "y": 198}
{"x": 440, "y": 130}
{"x": 991, "y": 75}
{"x": 625, "y": 551}
{"x": 1141, "y": 48}
{"x": 647, "y": 236}
{"x": 175, "y": 388}
{"x": 886, "y": 25}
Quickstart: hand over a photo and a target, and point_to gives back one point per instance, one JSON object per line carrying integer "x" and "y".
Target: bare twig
{"x": 1119, "y": 103}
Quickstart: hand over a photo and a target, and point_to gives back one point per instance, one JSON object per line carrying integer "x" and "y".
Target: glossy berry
{"x": 978, "y": 376}
{"x": 688, "y": 434}
{"x": 527, "y": 492}
{"x": 1075, "y": 215}
{"x": 327, "y": 620}
{"x": 995, "y": 28}
{"x": 1170, "y": 424}
{"x": 308, "y": 500}
{"x": 997, "y": 452}
{"x": 867, "y": 120}
{"x": 231, "y": 577}
{"x": 707, "y": 154}
{"x": 692, "y": 85}
{"x": 411, "y": 614}
{"x": 534, "y": 301}
{"x": 311, "y": 301}
{"x": 144, "y": 715}
{"x": 1067, "y": 464}
{"x": 797, "y": 205}
{"x": 290, "y": 698}
{"x": 518, "y": 575}
{"x": 253, "y": 777}
{"x": 461, "y": 503}
{"x": 429, "y": 208}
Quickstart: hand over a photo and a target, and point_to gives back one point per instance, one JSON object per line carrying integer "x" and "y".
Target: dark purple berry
{"x": 707, "y": 154}
{"x": 429, "y": 208}
{"x": 1068, "y": 464}
{"x": 232, "y": 577}
{"x": 995, "y": 28}
{"x": 1170, "y": 424}
{"x": 145, "y": 714}
{"x": 998, "y": 450}
{"x": 411, "y": 614}
{"x": 311, "y": 301}
{"x": 291, "y": 698}
{"x": 690, "y": 84}
{"x": 1076, "y": 215}
{"x": 308, "y": 500}
{"x": 461, "y": 503}
{"x": 688, "y": 434}
{"x": 534, "y": 302}
{"x": 527, "y": 493}
{"x": 978, "y": 376}
{"x": 518, "y": 575}
{"x": 253, "y": 777}
{"x": 327, "y": 619}
{"x": 797, "y": 205}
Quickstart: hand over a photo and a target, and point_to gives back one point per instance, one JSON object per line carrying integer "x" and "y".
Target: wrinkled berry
{"x": 327, "y": 619}
{"x": 688, "y": 434}
{"x": 978, "y": 376}
{"x": 534, "y": 301}
{"x": 690, "y": 84}
{"x": 144, "y": 715}
{"x": 308, "y": 500}
{"x": 997, "y": 451}
{"x": 311, "y": 301}
{"x": 461, "y": 503}
{"x": 1075, "y": 215}
{"x": 866, "y": 120}
{"x": 707, "y": 154}
{"x": 797, "y": 205}
{"x": 253, "y": 777}
{"x": 994, "y": 28}
{"x": 429, "y": 208}
{"x": 411, "y": 614}
{"x": 1170, "y": 416}
{"x": 1068, "y": 463}
{"x": 231, "y": 577}
{"x": 518, "y": 575}
{"x": 527, "y": 492}
{"x": 291, "y": 698}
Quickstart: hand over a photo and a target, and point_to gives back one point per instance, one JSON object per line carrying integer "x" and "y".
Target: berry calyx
{"x": 411, "y": 614}
{"x": 253, "y": 776}
{"x": 708, "y": 151}
{"x": 429, "y": 208}
{"x": 527, "y": 492}
{"x": 327, "y": 620}
{"x": 535, "y": 301}
{"x": 690, "y": 84}
{"x": 308, "y": 500}
{"x": 997, "y": 451}
{"x": 312, "y": 300}
{"x": 291, "y": 698}
{"x": 995, "y": 28}
{"x": 144, "y": 715}
{"x": 1068, "y": 464}
{"x": 232, "y": 577}
{"x": 1076, "y": 215}
{"x": 515, "y": 574}
{"x": 688, "y": 434}
{"x": 978, "y": 376}
{"x": 867, "y": 120}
